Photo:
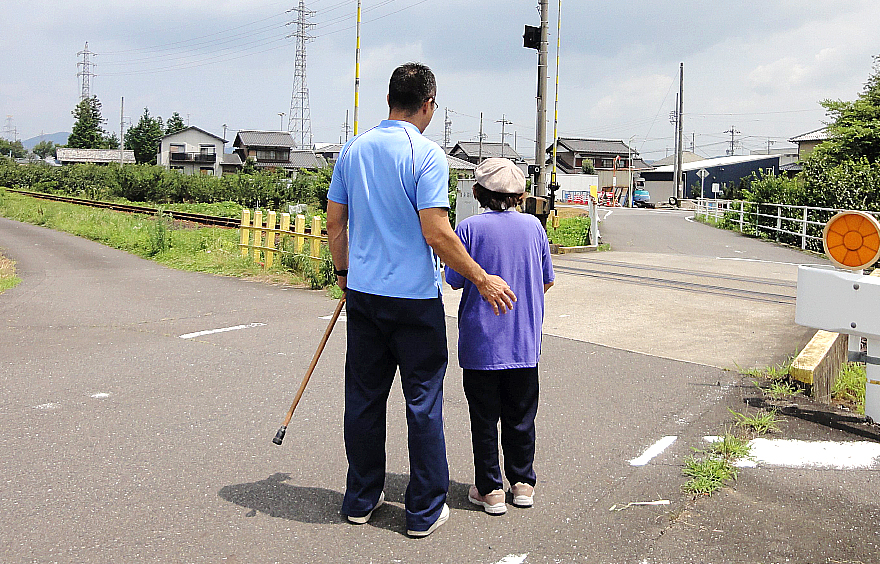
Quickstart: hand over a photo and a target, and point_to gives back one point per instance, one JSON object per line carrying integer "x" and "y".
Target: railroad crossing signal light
{"x": 852, "y": 240}
{"x": 532, "y": 37}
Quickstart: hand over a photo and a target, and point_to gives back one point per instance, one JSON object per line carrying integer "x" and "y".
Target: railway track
{"x": 202, "y": 219}
{"x": 741, "y": 287}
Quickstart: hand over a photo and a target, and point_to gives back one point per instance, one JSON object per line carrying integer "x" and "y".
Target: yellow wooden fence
{"x": 265, "y": 240}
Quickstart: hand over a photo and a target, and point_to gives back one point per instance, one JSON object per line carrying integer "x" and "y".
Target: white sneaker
{"x": 492, "y": 502}
{"x": 365, "y": 518}
{"x": 523, "y": 494}
{"x": 444, "y": 515}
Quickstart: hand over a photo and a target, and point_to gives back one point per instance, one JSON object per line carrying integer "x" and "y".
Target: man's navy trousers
{"x": 385, "y": 334}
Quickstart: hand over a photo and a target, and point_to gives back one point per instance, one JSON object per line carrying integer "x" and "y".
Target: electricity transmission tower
{"x": 299, "y": 118}
{"x": 86, "y": 73}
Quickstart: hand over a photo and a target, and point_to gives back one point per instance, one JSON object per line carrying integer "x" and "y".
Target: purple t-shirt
{"x": 513, "y": 246}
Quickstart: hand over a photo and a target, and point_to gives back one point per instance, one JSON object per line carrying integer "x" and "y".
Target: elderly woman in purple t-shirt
{"x": 499, "y": 354}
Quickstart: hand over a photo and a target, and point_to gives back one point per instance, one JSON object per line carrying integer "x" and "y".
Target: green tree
{"x": 174, "y": 124}
{"x": 588, "y": 167}
{"x": 144, "y": 138}
{"x": 855, "y": 126}
{"x": 44, "y": 148}
{"x": 87, "y": 131}
{"x": 12, "y": 149}
{"x": 111, "y": 141}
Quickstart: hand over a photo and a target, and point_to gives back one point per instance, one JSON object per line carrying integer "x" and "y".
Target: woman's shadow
{"x": 277, "y": 498}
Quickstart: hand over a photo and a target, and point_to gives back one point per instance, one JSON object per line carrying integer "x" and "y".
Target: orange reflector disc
{"x": 852, "y": 240}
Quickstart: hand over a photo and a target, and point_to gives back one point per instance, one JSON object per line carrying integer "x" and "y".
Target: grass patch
{"x": 850, "y": 387}
{"x": 708, "y": 474}
{"x": 762, "y": 422}
{"x": 209, "y": 249}
{"x": 778, "y": 372}
{"x": 7, "y": 274}
{"x": 572, "y": 232}
{"x": 715, "y": 467}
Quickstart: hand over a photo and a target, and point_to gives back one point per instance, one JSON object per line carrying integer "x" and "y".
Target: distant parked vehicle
{"x": 641, "y": 198}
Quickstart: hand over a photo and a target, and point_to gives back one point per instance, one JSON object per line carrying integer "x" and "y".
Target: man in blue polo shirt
{"x": 388, "y": 226}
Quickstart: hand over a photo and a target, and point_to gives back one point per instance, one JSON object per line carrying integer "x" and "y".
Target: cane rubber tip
{"x": 279, "y": 436}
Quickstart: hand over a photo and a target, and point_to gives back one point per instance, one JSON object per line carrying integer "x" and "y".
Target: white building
{"x": 192, "y": 150}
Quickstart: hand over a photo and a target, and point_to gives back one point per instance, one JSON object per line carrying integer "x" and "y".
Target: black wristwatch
{"x": 343, "y": 272}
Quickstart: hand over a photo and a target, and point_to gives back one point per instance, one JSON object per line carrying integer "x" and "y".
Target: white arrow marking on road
{"x": 223, "y": 330}
{"x": 813, "y": 454}
{"x": 653, "y": 451}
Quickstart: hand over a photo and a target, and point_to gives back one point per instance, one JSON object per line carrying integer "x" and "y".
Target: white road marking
{"x": 813, "y": 454}
{"x": 690, "y": 219}
{"x": 48, "y": 406}
{"x": 653, "y": 451}
{"x": 223, "y": 330}
{"x": 607, "y": 214}
{"x": 100, "y": 395}
{"x": 329, "y": 317}
{"x": 759, "y": 260}
{"x": 513, "y": 559}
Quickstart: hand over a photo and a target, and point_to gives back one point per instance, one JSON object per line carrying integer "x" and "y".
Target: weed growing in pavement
{"x": 730, "y": 447}
{"x": 761, "y": 423}
{"x": 708, "y": 474}
{"x": 849, "y": 388}
{"x": 711, "y": 469}
{"x": 781, "y": 389}
{"x": 778, "y": 372}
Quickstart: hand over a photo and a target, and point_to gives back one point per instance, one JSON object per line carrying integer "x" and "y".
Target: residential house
{"x": 610, "y": 158}
{"x": 275, "y": 150}
{"x": 806, "y": 142}
{"x": 192, "y": 151}
{"x": 328, "y": 151}
{"x": 724, "y": 171}
{"x": 476, "y": 152}
{"x": 67, "y": 156}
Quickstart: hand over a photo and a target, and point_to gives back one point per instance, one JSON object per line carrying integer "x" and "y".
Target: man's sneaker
{"x": 444, "y": 515}
{"x": 492, "y": 502}
{"x": 523, "y": 494}
{"x": 365, "y": 518}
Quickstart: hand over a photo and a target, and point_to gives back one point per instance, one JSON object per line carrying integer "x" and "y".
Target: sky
{"x": 759, "y": 68}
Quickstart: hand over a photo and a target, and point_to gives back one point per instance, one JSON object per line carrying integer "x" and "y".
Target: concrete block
{"x": 820, "y": 362}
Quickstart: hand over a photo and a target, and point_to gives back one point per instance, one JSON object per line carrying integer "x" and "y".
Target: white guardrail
{"x": 794, "y": 225}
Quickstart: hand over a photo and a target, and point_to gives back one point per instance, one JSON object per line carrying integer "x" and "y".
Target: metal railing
{"x": 795, "y": 225}
{"x": 193, "y": 157}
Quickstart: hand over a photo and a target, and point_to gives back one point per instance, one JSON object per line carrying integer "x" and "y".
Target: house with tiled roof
{"x": 193, "y": 150}
{"x": 274, "y": 150}
{"x": 476, "y": 152}
{"x": 806, "y": 142}
{"x": 610, "y": 159}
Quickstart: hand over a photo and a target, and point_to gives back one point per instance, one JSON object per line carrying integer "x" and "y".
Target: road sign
{"x": 852, "y": 240}
{"x": 716, "y": 187}
{"x": 703, "y": 173}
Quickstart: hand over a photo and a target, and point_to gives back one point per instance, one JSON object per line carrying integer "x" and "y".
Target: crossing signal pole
{"x": 536, "y": 38}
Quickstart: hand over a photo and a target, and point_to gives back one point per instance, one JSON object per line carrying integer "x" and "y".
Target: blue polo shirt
{"x": 385, "y": 176}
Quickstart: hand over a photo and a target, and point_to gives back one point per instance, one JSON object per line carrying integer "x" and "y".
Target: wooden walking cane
{"x": 279, "y": 436}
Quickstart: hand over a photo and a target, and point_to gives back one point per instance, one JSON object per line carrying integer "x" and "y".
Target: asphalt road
{"x": 122, "y": 441}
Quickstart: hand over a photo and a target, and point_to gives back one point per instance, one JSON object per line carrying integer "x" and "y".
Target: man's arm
{"x": 337, "y": 237}
{"x": 447, "y": 245}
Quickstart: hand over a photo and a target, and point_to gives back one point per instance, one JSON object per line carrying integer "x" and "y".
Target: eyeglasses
{"x": 434, "y": 104}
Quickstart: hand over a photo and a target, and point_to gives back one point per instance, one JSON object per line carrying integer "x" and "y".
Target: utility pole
{"x": 732, "y": 132}
{"x": 357, "y": 68}
{"x": 480, "y": 154}
{"x": 299, "y": 118}
{"x": 121, "y": 128}
{"x": 679, "y": 189}
{"x": 769, "y": 142}
{"x": 676, "y": 172}
{"x": 503, "y": 121}
{"x": 346, "y": 126}
{"x": 540, "y": 188}
{"x": 447, "y": 131}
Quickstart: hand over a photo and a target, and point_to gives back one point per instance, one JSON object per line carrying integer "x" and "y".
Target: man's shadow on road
{"x": 277, "y": 498}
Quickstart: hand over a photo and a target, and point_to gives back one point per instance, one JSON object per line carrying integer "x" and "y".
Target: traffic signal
{"x": 532, "y": 37}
